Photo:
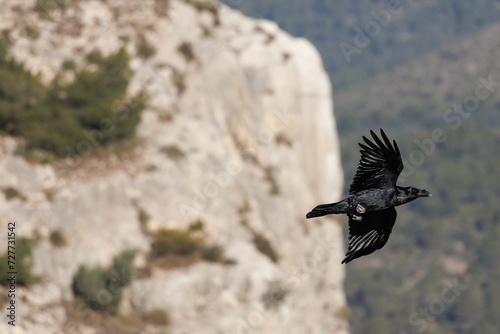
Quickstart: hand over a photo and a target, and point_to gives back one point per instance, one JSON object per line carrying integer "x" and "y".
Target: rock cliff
{"x": 238, "y": 133}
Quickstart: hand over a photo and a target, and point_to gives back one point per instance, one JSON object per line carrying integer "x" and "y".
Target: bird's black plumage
{"x": 370, "y": 233}
{"x": 380, "y": 165}
{"x": 373, "y": 196}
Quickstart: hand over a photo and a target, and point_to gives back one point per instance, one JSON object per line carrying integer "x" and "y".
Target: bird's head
{"x": 412, "y": 193}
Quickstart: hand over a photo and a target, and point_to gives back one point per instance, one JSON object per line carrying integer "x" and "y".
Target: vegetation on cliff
{"x": 70, "y": 117}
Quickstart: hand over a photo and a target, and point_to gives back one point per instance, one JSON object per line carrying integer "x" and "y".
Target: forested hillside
{"x": 413, "y": 28}
{"x": 442, "y": 109}
{"x": 449, "y": 237}
{"x": 431, "y": 80}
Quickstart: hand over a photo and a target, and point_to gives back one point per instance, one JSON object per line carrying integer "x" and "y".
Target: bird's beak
{"x": 424, "y": 193}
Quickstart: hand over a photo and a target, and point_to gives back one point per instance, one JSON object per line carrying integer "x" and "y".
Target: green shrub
{"x": 69, "y": 65}
{"x": 69, "y": 120}
{"x": 179, "y": 81}
{"x": 206, "y": 31}
{"x": 264, "y": 246}
{"x": 197, "y": 225}
{"x": 275, "y": 189}
{"x": 156, "y": 317}
{"x": 57, "y": 238}
{"x": 274, "y": 296}
{"x": 32, "y": 31}
{"x": 175, "y": 242}
{"x": 11, "y": 192}
{"x": 102, "y": 288}
{"x": 189, "y": 243}
{"x": 21, "y": 93}
{"x": 144, "y": 49}
{"x": 172, "y": 152}
{"x": 143, "y": 218}
{"x": 214, "y": 253}
{"x": 91, "y": 286}
{"x": 186, "y": 49}
{"x": 45, "y": 7}
{"x": 209, "y": 6}
{"x": 23, "y": 264}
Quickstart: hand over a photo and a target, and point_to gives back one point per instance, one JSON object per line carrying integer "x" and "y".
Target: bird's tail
{"x": 325, "y": 209}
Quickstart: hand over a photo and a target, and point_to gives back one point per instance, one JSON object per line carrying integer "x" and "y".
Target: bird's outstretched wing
{"x": 370, "y": 233}
{"x": 380, "y": 164}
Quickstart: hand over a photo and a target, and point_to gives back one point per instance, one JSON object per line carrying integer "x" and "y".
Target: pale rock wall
{"x": 251, "y": 139}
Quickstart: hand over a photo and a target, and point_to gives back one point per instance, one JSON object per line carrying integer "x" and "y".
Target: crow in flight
{"x": 372, "y": 197}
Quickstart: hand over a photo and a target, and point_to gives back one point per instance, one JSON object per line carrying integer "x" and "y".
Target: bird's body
{"x": 372, "y": 197}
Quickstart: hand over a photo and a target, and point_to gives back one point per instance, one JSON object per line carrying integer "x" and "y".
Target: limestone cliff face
{"x": 239, "y": 133}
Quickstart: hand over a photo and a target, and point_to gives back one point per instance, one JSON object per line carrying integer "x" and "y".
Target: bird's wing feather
{"x": 380, "y": 164}
{"x": 370, "y": 233}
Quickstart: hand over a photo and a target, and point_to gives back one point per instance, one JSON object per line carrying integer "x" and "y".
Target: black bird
{"x": 373, "y": 196}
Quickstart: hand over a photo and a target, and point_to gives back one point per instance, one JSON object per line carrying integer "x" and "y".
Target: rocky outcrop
{"x": 238, "y": 133}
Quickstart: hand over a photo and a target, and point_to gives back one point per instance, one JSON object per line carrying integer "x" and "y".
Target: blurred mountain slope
{"x": 416, "y": 28}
